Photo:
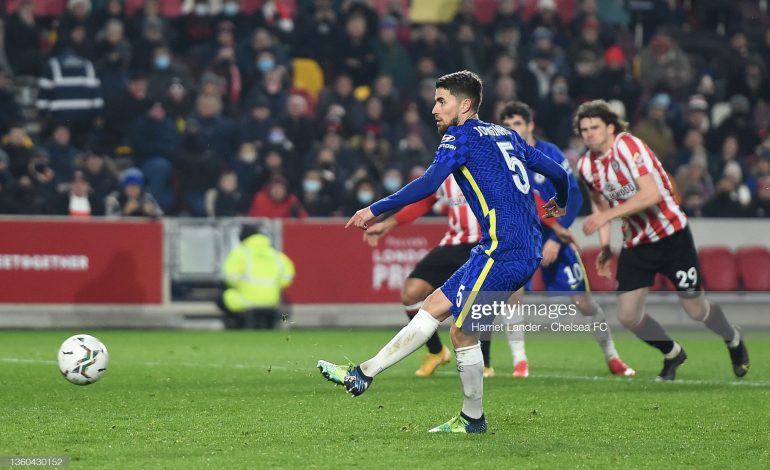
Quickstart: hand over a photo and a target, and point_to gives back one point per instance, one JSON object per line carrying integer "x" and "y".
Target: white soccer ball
{"x": 83, "y": 359}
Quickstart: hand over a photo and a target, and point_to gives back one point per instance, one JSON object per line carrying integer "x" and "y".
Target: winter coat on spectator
{"x": 25, "y": 56}
{"x": 220, "y": 134}
{"x": 62, "y": 160}
{"x": 102, "y": 183}
{"x": 117, "y": 205}
{"x": 197, "y": 165}
{"x": 70, "y": 92}
{"x": 150, "y": 138}
{"x": 275, "y": 201}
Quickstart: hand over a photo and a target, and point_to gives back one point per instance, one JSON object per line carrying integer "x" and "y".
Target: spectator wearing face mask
{"x": 392, "y": 180}
{"x": 275, "y": 201}
{"x": 363, "y": 194}
{"x": 317, "y": 197}
{"x": 165, "y": 71}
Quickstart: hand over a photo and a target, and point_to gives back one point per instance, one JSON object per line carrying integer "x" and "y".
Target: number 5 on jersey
{"x": 520, "y": 178}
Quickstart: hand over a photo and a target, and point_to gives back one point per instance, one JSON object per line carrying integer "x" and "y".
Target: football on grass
{"x": 82, "y": 359}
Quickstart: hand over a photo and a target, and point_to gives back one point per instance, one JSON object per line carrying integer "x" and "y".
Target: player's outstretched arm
{"x": 405, "y": 216}
{"x": 417, "y": 190}
{"x": 647, "y": 196}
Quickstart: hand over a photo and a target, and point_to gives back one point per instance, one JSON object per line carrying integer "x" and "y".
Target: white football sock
{"x": 470, "y": 365}
{"x": 516, "y": 342}
{"x": 515, "y": 333}
{"x": 406, "y": 341}
{"x": 602, "y": 333}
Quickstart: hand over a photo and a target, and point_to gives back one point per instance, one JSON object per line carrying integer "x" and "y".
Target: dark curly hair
{"x": 598, "y": 109}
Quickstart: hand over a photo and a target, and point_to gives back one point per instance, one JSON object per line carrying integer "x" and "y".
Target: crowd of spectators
{"x": 146, "y": 111}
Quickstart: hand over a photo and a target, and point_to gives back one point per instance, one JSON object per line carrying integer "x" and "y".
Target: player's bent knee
{"x": 415, "y": 290}
{"x": 696, "y": 306}
{"x": 629, "y": 318}
{"x": 437, "y": 305}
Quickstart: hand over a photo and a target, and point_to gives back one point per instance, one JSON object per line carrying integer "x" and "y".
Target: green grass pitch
{"x": 253, "y": 399}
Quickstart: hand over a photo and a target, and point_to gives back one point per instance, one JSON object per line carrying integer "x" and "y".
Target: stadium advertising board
{"x": 335, "y": 265}
{"x": 81, "y": 262}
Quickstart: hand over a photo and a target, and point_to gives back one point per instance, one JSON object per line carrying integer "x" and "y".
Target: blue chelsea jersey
{"x": 492, "y": 166}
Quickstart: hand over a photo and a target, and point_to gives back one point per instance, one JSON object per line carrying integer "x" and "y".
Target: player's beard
{"x": 443, "y": 128}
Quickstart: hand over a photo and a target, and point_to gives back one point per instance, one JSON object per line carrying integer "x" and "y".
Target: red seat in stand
{"x": 754, "y": 267}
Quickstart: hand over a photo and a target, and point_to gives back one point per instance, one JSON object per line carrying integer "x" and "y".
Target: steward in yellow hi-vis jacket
{"x": 255, "y": 274}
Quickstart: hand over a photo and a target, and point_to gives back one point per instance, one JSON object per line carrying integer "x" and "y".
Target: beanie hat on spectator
{"x": 661, "y": 100}
{"x": 697, "y": 103}
{"x": 132, "y": 176}
{"x": 614, "y": 56}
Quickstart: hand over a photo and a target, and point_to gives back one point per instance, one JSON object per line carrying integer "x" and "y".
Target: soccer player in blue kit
{"x": 563, "y": 270}
{"x": 490, "y": 164}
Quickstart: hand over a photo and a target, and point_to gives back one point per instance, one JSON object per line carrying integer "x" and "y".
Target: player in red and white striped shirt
{"x": 614, "y": 175}
{"x": 431, "y": 272}
{"x": 627, "y": 181}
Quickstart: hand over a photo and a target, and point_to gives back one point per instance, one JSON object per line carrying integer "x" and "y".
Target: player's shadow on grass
{"x": 116, "y": 283}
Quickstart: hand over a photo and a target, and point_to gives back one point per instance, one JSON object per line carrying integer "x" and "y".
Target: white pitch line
{"x": 16, "y": 360}
{"x": 582, "y": 378}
